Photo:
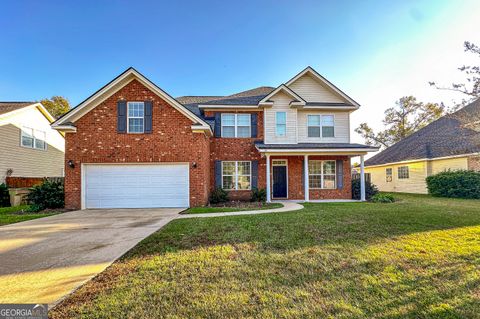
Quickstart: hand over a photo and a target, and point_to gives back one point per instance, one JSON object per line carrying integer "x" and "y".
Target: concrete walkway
{"x": 287, "y": 207}
{"x": 43, "y": 260}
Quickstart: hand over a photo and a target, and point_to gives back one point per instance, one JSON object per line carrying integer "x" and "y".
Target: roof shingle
{"x": 6, "y": 107}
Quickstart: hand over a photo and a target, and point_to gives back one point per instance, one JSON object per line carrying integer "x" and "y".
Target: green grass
{"x": 10, "y": 215}
{"x": 416, "y": 258}
{"x": 204, "y": 210}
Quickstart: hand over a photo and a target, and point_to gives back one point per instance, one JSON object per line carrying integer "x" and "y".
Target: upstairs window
{"x": 136, "y": 117}
{"x": 388, "y": 174}
{"x": 321, "y": 126}
{"x": 328, "y": 126}
{"x": 32, "y": 138}
{"x": 403, "y": 172}
{"x": 280, "y": 124}
{"x": 236, "y": 125}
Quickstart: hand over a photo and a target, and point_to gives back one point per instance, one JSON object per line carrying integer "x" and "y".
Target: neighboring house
{"x": 449, "y": 143}
{"x": 131, "y": 144}
{"x": 29, "y": 147}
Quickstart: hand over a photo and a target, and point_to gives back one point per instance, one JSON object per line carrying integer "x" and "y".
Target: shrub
{"x": 370, "y": 189}
{"x": 456, "y": 184}
{"x": 382, "y": 198}
{"x": 259, "y": 195}
{"x": 46, "y": 195}
{"x": 4, "y": 196}
{"x": 218, "y": 196}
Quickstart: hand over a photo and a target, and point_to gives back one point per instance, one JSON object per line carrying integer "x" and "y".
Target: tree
{"x": 472, "y": 87}
{"x": 400, "y": 121}
{"x": 57, "y": 105}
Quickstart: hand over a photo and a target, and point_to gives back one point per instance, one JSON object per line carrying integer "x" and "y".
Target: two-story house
{"x": 132, "y": 145}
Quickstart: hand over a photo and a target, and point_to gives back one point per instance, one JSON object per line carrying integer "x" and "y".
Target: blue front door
{"x": 279, "y": 181}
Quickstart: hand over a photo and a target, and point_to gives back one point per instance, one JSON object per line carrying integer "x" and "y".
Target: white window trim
{"x": 276, "y": 132}
{"x": 135, "y": 117}
{"x": 388, "y": 175}
{"x": 236, "y": 125}
{"x": 236, "y": 176}
{"x": 321, "y": 126}
{"x": 322, "y": 174}
{"x": 408, "y": 172}
{"x": 33, "y": 138}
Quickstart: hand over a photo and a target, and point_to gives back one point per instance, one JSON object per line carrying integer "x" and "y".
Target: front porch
{"x": 316, "y": 173}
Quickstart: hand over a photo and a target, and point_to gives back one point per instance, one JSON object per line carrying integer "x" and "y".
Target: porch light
{"x": 71, "y": 164}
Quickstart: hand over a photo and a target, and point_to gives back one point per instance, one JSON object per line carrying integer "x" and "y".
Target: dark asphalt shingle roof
{"x": 6, "y": 107}
{"x": 262, "y": 145}
{"x": 454, "y": 134}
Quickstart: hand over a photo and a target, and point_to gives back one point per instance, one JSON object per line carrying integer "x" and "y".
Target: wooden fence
{"x": 25, "y": 182}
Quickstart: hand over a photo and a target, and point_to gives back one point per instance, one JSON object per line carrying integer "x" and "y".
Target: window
{"x": 33, "y": 138}
{"x": 322, "y": 174}
{"x": 236, "y": 175}
{"x": 280, "y": 123}
{"x": 403, "y": 172}
{"x": 236, "y": 125}
{"x": 321, "y": 126}
{"x": 388, "y": 174}
{"x": 328, "y": 126}
{"x": 314, "y": 126}
{"x": 135, "y": 114}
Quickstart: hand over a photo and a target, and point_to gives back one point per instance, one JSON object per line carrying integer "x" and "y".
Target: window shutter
{"x": 254, "y": 174}
{"x": 122, "y": 116}
{"x": 339, "y": 174}
{"x": 218, "y": 125}
{"x": 253, "y": 124}
{"x": 218, "y": 174}
{"x": 148, "y": 116}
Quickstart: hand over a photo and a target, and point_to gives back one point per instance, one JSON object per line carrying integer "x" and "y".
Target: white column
{"x": 362, "y": 179}
{"x": 305, "y": 178}
{"x": 268, "y": 179}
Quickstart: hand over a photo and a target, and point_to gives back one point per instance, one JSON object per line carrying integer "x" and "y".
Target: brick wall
{"x": 97, "y": 141}
{"x": 474, "y": 163}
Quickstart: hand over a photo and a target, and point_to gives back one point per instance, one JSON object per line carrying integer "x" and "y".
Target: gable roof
{"x": 323, "y": 80}
{"x": 111, "y": 87}
{"x": 297, "y": 98}
{"x": 7, "y": 107}
{"x": 454, "y": 134}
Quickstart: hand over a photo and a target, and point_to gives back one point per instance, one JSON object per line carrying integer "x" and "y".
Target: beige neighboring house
{"x": 29, "y": 147}
{"x": 449, "y": 143}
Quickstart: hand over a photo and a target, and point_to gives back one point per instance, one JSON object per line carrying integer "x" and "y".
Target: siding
{"x": 453, "y": 164}
{"x": 342, "y": 127}
{"x": 29, "y": 162}
{"x": 415, "y": 184}
{"x": 312, "y": 90}
{"x": 282, "y": 104}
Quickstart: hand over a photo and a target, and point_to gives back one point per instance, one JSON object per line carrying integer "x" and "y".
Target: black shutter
{"x": 218, "y": 125}
{"x": 148, "y": 116}
{"x": 254, "y": 174}
{"x": 254, "y": 124}
{"x": 122, "y": 116}
{"x": 218, "y": 174}
{"x": 339, "y": 174}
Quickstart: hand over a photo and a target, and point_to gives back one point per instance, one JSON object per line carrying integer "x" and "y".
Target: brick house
{"x": 131, "y": 145}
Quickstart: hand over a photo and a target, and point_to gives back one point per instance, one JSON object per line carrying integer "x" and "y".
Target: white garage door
{"x": 135, "y": 186}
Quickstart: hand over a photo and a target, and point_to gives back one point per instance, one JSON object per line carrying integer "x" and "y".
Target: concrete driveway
{"x": 43, "y": 260}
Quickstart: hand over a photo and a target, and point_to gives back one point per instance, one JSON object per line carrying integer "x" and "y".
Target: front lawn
{"x": 10, "y": 215}
{"x": 416, "y": 258}
{"x": 244, "y": 207}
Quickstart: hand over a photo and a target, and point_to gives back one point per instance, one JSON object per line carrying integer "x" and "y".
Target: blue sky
{"x": 221, "y": 47}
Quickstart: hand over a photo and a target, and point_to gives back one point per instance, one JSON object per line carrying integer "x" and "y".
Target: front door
{"x": 279, "y": 181}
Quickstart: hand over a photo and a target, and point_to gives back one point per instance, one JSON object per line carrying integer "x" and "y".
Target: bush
{"x": 218, "y": 196}
{"x": 370, "y": 189}
{"x": 259, "y": 195}
{"x": 47, "y": 195}
{"x": 4, "y": 196}
{"x": 382, "y": 198}
{"x": 456, "y": 184}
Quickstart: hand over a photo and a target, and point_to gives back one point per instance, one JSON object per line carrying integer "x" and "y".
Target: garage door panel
{"x": 136, "y": 186}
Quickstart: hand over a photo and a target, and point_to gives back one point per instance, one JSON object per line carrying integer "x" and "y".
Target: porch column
{"x": 268, "y": 179}
{"x": 362, "y": 179}
{"x": 305, "y": 178}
